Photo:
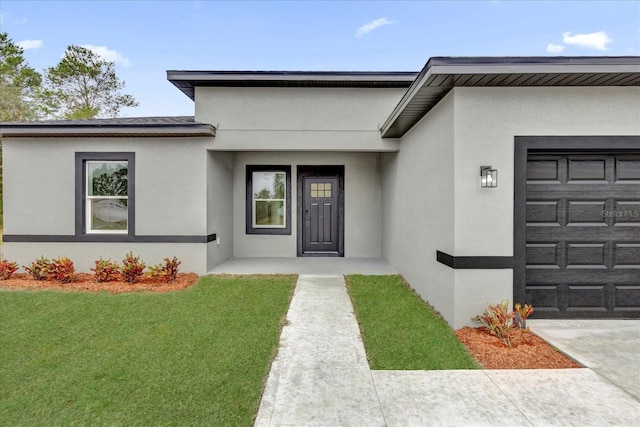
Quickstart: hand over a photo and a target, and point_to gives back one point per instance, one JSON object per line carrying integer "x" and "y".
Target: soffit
{"x": 440, "y": 75}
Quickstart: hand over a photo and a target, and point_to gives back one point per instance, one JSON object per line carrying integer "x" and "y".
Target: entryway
{"x": 321, "y": 211}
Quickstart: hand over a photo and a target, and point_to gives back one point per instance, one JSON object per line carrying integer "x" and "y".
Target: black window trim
{"x": 249, "y": 199}
{"x": 80, "y": 208}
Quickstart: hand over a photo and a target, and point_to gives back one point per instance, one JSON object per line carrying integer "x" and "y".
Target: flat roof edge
{"x": 292, "y": 76}
{"x": 530, "y": 60}
{"x": 24, "y": 130}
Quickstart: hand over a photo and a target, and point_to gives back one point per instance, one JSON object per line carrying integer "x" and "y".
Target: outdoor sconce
{"x": 488, "y": 177}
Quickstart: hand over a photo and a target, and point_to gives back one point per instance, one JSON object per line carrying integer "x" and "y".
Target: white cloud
{"x": 367, "y": 28}
{"x": 30, "y": 44}
{"x": 554, "y": 48}
{"x": 596, "y": 41}
{"x": 108, "y": 54}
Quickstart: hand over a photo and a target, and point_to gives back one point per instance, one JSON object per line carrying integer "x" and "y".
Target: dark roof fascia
{"x": 25, "y": 130}
{"x": 450, "y": 66}
{"x": 186, "y": 81}
{"x": 534, "y": 64}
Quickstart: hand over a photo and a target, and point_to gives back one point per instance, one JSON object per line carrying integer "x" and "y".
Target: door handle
{"x": 306, "y": 215}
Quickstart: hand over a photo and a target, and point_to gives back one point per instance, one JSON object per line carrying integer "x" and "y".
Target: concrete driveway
{"x": 611, "y": 348}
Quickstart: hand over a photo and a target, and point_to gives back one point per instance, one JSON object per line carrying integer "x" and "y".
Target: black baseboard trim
{"x": 105, "y": 238}
{"x": 475, "y": 262}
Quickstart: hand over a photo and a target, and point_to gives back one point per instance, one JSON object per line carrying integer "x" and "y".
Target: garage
{"x": 581, "y": 230}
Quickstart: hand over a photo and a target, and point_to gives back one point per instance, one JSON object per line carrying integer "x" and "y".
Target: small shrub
{"x": 132, "y": 268}
{"x": 105, "y": 271}
{"x": 521, "y": 313}
{"x": 498, "y": 320}
{"x": 7, "y": 269}
{"x": 39, "y": 269}
{"x": 62, "y": 270}
{"x": 167, "y": 272}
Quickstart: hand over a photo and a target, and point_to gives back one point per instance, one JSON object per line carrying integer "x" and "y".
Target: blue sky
{"x": 146, "y": 38}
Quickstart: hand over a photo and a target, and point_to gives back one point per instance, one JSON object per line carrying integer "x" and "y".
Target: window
{"x": 104, "y": 194}
{"x": 268, "y": 200}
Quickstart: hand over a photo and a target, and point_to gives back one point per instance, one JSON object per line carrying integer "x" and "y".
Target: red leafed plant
{"x": 498, "y": 320}
{"x": 132, "y": 268}
{"x": 167, "y": 272}
{"x": 105, "y": 271}
{"x": 521, "y": 313}
{"x": 7, "y": 269}
{"x": 62, "y": 270}
{"x": 39, "y": 269}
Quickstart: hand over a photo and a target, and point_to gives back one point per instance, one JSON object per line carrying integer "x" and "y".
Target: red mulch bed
{"x": 528, "y": 350}
{"x": 84, "y": 282}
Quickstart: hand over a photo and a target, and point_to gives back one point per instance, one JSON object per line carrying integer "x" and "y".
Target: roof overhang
{"x": 441, "y": 74}
{"x": 113, "y": 128}
{"x": 186, "y": 81}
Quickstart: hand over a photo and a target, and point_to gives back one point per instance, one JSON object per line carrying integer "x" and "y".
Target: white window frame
{"x": 284, "y": 202}
{"x": 250, "y": 211}
{"x": 89, "y": 198}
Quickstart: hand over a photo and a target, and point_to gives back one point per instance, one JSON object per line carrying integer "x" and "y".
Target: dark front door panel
{"x": 583, "y": 235}
{"x": 320, "y": 211}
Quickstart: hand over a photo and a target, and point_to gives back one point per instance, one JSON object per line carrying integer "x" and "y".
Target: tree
{"x": 84, "y": 86}
{"x": 19, "y": 84}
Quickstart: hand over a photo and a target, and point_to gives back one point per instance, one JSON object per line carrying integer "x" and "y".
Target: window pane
{"x": 107, "y": 178}
{"x": 108, "y": 214}
{"x": 269, "y": 213}
{"x": 269, "y": 185}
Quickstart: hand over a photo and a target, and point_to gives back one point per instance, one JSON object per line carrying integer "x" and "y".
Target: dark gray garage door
{"x": 583, "y": 234}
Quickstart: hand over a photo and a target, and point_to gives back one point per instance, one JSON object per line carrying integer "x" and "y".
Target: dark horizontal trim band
{"x": 475, "y": 262}
{"x": 106, "y": 238}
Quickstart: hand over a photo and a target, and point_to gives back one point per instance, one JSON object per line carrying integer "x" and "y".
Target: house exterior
{"x": 362, "y": 165}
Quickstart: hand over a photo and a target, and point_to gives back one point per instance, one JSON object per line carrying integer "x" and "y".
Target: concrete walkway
{"x": 321, "y": 378}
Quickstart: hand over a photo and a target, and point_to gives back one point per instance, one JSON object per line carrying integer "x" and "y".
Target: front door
{"x": 320, "y": 210}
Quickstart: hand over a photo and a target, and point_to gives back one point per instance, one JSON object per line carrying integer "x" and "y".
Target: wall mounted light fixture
{"x": 488, "y": 177}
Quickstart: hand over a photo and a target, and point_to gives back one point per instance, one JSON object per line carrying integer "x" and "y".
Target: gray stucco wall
{"x": 297, "y": 119}
{"x": 418, "y": 206}
{"x": 302, "y": 126}
{"x": 171, "y": 188}
{"x": 487, "y": 121}
{"x": 363, "y": 203}
{"x": 481, "y": 124}
{"x": 219, "y": 207}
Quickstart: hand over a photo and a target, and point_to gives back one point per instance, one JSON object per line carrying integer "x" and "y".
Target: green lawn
{"x": 400, "y": 331}
{"x": 193, "y": 357}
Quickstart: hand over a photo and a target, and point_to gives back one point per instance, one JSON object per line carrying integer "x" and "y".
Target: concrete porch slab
{"x": 305, "y": 265}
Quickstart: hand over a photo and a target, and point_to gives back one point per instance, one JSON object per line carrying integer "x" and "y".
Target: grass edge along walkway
{"x": 199, "y": 356}
{"x": 400, "y": 331}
